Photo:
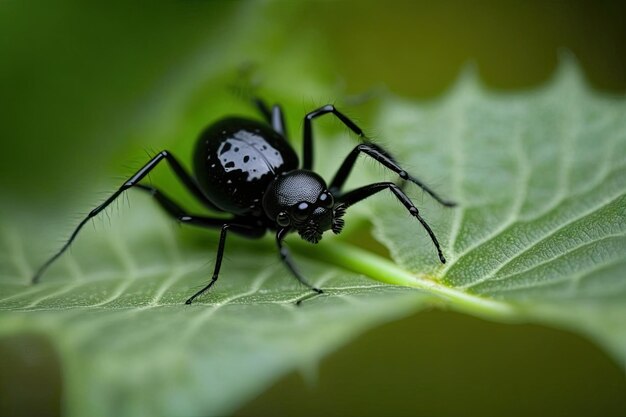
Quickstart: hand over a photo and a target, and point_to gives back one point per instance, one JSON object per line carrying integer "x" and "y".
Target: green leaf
{"x": 538, "y": 236}
{"x": 540, "y": 178}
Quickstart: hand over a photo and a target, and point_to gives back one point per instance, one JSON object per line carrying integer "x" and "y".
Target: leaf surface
{"x": 540, "y": 178}
{"x": 539, "y": 235}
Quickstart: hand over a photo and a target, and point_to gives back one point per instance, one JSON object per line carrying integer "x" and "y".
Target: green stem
{"x": 381, "y": 269}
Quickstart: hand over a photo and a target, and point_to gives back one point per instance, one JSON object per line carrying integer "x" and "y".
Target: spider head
{"x": 300, "y": 200}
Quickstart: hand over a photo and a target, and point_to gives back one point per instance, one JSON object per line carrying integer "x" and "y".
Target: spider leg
{"x": 285, "y": 256}
{"x": 241, "y": 225}
{"x": 278, "y": 120}
{"x": 274, "y": 116}
{"x": 246, "y": 226}
{"x": 218, "y": 264}
{"x": 307, "y": 152}
{"x": 382, "y": 156}
{"x": 245, "y": 88}
{"x": 263, "y": 108}
{"x": 364, "y": 192}
{"x": 180, "y": 172}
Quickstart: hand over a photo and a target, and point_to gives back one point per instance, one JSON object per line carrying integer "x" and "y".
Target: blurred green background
{"x": 74, "y": 77}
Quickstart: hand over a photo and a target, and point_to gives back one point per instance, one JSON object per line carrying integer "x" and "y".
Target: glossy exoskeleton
{"x": 248, "y": 169}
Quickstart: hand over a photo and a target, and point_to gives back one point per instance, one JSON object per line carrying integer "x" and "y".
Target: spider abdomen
{"x": 235, "y": 161}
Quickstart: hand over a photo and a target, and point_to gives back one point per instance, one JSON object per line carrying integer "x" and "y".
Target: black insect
{"x": 248, "y": 169}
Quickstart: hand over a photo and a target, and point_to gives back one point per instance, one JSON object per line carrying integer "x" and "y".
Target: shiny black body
{"x": 248, "y": 169}
{"x": 236, "y": 159}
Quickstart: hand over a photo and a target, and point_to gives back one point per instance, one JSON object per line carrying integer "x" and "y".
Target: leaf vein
{"x": 552, "y": 232}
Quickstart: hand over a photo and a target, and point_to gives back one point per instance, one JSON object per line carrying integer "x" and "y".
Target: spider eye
{"x": 326, "y": 199}
{"x": 301, "y": 211}
{"x": 283, "y": 219}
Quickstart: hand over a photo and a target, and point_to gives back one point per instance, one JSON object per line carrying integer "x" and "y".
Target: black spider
{"x": 247, "y": 168}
